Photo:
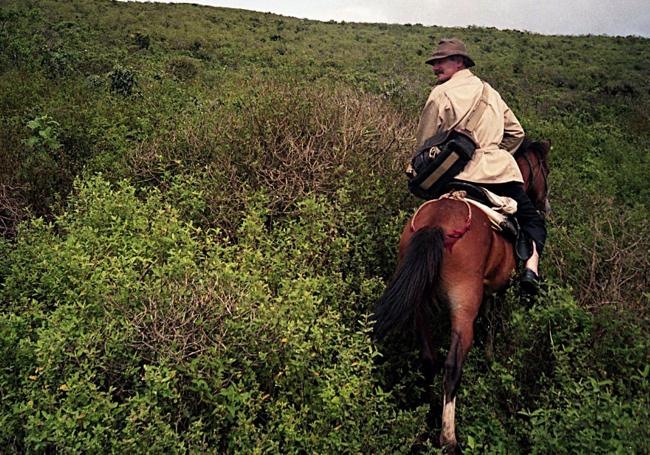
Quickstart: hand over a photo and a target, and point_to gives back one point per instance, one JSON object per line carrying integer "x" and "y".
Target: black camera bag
{"x": 437, "y": 162}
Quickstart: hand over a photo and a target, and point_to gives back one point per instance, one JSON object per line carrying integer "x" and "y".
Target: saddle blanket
{"x": 502, "y": 206}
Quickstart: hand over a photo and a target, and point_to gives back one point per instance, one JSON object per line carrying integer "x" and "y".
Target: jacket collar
{"x": 458, "y": 78}
{"x": 462, "y": 74}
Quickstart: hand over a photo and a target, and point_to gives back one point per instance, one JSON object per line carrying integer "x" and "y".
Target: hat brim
{"x": 440, "y": 57}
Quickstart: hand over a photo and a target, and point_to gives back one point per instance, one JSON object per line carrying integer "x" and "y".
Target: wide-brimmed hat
{"x": 449, "y": 47}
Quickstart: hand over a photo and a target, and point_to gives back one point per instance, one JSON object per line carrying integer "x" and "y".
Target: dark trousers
{"x": 529, "y": 219}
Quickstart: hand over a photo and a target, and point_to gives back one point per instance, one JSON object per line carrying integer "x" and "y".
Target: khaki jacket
{"x": 498, "y": 133}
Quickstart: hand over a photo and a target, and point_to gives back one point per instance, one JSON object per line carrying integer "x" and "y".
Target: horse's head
{"x": 532, "y": 158}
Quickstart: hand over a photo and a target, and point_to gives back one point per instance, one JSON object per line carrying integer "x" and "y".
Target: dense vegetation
{"x": 199, "y": 207}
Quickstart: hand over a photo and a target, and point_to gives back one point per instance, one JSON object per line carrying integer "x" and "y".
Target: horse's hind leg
{"x": 431, "y": 365}
{"x": 489, "y": 318}
{"x": 463, "y": 308}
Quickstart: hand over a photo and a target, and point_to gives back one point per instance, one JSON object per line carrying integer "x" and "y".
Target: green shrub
{"x": 142, "y": 40}
{"x": 549, "y": 388}
{"x": 44, "y": 133}
{"x": 42, "y": 166}
{"x": 128, "y": 328}
{"x": 58, "y": 63}
{"x": 183, "y": 68}
{"x": 123, "y": 80}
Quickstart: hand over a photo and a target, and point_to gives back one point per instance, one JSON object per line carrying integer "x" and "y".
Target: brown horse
{"x": 449, "y": 255}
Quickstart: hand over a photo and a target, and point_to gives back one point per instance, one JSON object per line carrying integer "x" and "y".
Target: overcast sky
{"x": 565, "y": 17}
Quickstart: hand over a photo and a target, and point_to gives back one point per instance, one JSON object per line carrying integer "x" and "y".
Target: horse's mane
{"x": 525, "y": 145}
{"x": 529, "y": 144}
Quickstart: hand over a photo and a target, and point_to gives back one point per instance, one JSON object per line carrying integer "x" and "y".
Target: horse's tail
{"x": 412, "y": 286}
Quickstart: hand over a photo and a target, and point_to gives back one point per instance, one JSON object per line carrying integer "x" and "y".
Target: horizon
{"x": 554, "y": 17}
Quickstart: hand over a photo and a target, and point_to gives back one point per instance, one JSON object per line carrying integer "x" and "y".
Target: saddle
{"x": 500, "y": 211}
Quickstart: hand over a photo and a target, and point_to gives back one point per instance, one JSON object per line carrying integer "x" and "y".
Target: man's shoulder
{"x": 463, "y": 79}
{"x": 458, "y": 85}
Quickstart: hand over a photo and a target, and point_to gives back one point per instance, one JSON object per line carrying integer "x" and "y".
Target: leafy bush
{"x": 127, "y": 328}
{"x": 43, "y": 164}
{"x": 123, "y": 80}
{"x": 142, "y": 40}
{"x": 292, "y": 140}
{"x": 44, "y": 133}
{"x": 183, "y": 68}
{"x": 549, "y": 385}
{"x": 58, "y": 63}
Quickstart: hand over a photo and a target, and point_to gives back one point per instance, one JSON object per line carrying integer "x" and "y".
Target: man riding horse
{"x": 497, "y": 134}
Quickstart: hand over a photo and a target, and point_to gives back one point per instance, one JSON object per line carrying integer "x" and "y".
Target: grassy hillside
{"x": 199, "y": 207}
